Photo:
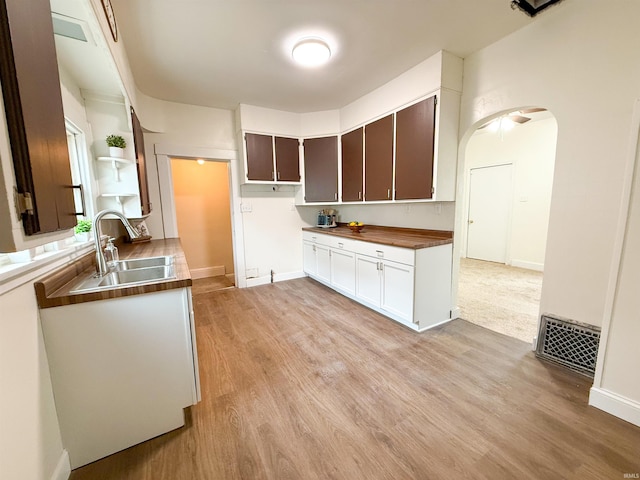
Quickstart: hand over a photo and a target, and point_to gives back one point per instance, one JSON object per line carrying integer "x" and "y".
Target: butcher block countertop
{"x": 54, "y": 290}
{"x": 414, "y": 238}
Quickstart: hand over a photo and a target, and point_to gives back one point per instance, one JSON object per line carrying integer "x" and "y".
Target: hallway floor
{"x": 499, "y": 297}
{"x": 211, "y": 284}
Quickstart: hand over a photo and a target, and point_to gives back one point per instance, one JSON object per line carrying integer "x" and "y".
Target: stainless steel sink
{"x": 138, "y": 275}
{"x": 136, "y": 263}
{"x": 131, "y": 276}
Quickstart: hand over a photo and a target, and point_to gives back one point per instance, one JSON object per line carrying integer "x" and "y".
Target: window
{"x": 80, "y": 171}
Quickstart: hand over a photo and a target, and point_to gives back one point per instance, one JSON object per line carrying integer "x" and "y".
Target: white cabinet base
{"x": 410, "y": 286}
{"x": 122, "y": 370}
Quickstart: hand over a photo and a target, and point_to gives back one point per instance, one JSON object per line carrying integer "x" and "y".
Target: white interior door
{"x": 490, "y": 198}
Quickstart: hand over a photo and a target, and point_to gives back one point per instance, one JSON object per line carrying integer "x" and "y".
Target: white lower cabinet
{"x": 385, "y": 285}
{"x": 309, "y": 260}
{"x": 407, "y": 285}
{"x": 323, "y": 259}
{"x": 343, "y": 272}
{"x": 396, "y": 282}
{"x": 122, "y": 370}
{"x": 368, "y": 288}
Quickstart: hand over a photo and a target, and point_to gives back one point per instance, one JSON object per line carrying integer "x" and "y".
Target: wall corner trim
{"x": 63, "y": 468}
{"x": 616, "y": 405}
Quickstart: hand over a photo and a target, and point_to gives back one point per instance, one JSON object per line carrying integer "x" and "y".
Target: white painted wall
{"x": 580, "y": 61}
{"x": 555, "y": 69}
{"x": 434, "y": 216}
{"x": 30, "y": 443}
{"x": 531, "y": 148}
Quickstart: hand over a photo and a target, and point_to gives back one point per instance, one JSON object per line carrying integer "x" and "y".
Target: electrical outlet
{"x": 246, "y": 207}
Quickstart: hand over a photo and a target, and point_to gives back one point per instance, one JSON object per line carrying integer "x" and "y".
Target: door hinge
{"x": 23, "y": 202}
{"x": 435, "y": 100}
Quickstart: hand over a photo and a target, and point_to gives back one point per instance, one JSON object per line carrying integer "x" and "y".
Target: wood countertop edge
{"x": 54, "y": 289}
{"x": 393, "y": 236}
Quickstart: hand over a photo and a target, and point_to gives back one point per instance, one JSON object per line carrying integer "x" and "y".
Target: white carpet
{"x": 501, "y": 298}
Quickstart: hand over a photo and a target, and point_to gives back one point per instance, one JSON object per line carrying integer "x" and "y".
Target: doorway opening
{"x": 507, "y": 182}
{"x": 202, "y": 201}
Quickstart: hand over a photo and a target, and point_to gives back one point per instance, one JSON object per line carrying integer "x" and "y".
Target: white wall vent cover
{"x": 569, "y": 343}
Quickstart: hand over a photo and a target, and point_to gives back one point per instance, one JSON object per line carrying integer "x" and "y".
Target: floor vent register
{"x": 569, "y": 343}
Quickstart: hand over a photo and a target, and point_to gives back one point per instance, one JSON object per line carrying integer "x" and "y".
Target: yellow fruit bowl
{"x": 356, "y": 228}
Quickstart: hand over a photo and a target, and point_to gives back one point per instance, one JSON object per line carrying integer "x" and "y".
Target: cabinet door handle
{"x": 340, "y": 245}
{"x": 314, "y": 248}
{"x": 359, "y": 195}
{"x": 84, "y": 208}
{"x": 335, "y": 196}
{"x": 278, "y": 175}
{"x": 380, "y": 253}
{"x": 388, "y": 193}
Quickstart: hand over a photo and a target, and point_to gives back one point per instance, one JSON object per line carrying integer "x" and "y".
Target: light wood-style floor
{"x": 300, "y": 383}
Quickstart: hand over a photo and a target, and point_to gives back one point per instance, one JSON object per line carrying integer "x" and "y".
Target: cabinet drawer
{"x": 339, "y": 243}
{"x": 386, "y": 252}
{"x": 318, "y": 238}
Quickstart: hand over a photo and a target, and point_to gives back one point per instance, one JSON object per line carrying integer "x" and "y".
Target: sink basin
{"x": 138, "y": 275}
{"x": 135, "y": 263}
{"x": 127, "y": 278}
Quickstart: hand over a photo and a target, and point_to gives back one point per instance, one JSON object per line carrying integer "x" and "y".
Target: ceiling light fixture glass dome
{"x": 311, "y": 52}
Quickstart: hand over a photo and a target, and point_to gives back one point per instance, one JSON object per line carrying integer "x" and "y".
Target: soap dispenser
{"x": 111, "y": 253}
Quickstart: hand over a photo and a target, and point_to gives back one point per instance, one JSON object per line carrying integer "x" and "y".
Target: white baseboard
{"x": 278, "y": 277}
{"x": 616, "y": 405}
{"x": 63, "y": 468}
{"x": 429, "y": 327}
{"x": 539, "y": 267}
{"x": 206, "y": 272}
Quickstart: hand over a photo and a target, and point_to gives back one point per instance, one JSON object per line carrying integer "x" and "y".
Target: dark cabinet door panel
{"x": 321, "y": 169}
{"x": 352, "y": 158}
{"x": 141, "y": 164}
{"x": 35, "y": 119}
{"x": 259, "y": 156}
{"x": 287, "y": 159}
{"x": 414, "y": 150}
{"x": 379, "y": 159}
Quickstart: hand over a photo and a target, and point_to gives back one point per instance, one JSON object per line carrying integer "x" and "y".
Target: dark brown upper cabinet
{"x": 287, "y": 159}
{"x": 352, "y": 162}
{"x": 415, "y": 127}
{"x": 259, "y": 157}
{"x": 321, "y": 169}
{"x": 141, "y": 164}
{"x": 35, "y": 118}
{"x": 378, "y": 155}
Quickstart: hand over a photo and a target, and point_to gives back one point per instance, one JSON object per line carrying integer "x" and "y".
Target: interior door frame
{"x": 164, "y": 154}
{"x": 507, "y": 254}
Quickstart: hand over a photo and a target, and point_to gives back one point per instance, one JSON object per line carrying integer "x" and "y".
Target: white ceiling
{"x": 219, "y": 53}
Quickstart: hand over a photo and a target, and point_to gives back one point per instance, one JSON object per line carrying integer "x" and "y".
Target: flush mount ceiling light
{"x": 311, "y": 52}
